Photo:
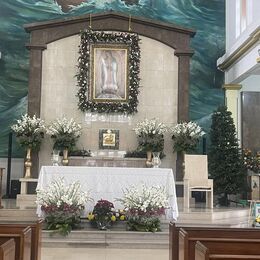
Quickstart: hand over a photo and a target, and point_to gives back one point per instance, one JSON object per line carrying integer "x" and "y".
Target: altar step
{"x": 18, "y": 215}
{"x": 108, "y": 239}
{"x": 230, "y": 217}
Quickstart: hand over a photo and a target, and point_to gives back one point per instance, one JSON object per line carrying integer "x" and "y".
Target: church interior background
{"x": 170, "y": 60}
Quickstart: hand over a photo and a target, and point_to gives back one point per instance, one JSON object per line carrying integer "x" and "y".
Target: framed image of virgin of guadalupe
{"x": 108, "y": 75}
{"x": 109, "y": 71}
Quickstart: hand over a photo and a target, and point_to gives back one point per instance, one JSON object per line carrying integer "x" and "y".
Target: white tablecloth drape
{"x": 108, "y": 183}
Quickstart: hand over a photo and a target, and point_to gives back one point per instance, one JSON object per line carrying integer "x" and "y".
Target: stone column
{"x": 34, "y": 92}
{"x": 183, "y": 99}
{"x": 231, "y": 100}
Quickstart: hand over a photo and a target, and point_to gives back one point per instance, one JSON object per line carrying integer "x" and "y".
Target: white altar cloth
{"x": 108, "y": 182}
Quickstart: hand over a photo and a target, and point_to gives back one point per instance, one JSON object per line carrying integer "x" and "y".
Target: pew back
{"x": 202, "y": 252}
{"x": 36, "y": 228}
{"x": 7, "y": 250}
{"x": 177, "y": 238}
{"x": 22, "y": 237}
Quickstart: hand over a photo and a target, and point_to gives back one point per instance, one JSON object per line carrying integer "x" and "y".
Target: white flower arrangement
{"x": 186, "y": 136}
{"x": 150, "y": 127}
{"x": 58, "y": 196}
{"x": 29, "y": 131}
{"x": 65, "y": 132}
{"x": 150, "y": 133}
{"x": 62, "y": 205}
{"x": 143, "y": 200}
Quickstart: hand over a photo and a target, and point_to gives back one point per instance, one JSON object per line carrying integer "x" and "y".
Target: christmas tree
{"x": 226, "y": 165}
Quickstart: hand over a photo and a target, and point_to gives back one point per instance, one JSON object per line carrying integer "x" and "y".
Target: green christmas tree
{"x": 226, "y": 165}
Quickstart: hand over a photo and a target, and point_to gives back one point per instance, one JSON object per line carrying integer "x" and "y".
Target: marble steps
{"x": 229, "y": 217}
{"x": 108, "y": 238}
{"x": 9, "y": 215}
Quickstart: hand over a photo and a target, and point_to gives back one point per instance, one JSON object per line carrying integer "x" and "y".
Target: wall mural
{"x": 207, "y": 17}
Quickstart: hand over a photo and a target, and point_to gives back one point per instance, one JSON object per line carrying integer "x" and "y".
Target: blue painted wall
{"x": 206, "y": 16}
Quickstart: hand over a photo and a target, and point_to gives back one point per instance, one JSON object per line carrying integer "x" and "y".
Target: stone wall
{"x": 157, "y": 98}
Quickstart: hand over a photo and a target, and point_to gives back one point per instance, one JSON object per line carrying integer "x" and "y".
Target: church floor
{"x": 103, "y": 254}
{"x": 119, "y": 244}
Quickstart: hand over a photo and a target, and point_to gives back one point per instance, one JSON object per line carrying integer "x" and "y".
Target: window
{"x": 243, "y": 15}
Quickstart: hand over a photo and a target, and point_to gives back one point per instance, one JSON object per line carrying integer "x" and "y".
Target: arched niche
{"x": 45, "y": 34}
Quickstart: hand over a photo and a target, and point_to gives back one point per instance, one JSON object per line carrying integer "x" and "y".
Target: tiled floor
{"x": 104, "y": 254}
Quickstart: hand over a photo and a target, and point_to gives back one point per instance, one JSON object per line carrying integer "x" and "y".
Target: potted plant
{"x": 62, "y": 205}
{"x": 29, "y": 132}
{"x": 65, "y": 133}
{"x": 150, "y": 134}
{"x": 186, "y": 136}
{"x": 144, "y": 206}
{"x": 103, "y": 215}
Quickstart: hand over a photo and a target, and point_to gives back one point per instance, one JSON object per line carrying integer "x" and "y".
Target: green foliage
{"x": 136, "y": 154}
{"x": 186, "y": 136}
{"x": 153, "y": 143}
{"x": 143, "y": 223}
{"x": 226, "y": 164}
{"x": 61, "y": 222}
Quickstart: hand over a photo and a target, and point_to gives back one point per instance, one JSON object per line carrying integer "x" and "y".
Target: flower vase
{"x": 156, "y": 161}
{"x": 28, "y": 163}
{"x": 149, "y": 159}
{"x": 55, "y": 157}
{"x": 103, "y": 225}
{"x": 65, "y": 160}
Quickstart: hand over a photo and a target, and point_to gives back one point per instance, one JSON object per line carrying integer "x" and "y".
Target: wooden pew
{"x": 7, "y": 250}
{"x": 217, "y": 238}
{"x": 204, "y": 253}
{"x": 179, "y": 241}
{"x": 36, "y": 228}
{"x": 22, "y": 238}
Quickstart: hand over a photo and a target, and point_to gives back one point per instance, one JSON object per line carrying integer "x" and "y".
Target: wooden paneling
{"x": 250, "y": 111}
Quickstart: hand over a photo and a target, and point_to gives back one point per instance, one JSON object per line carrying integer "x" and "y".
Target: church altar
{"x": 108, "y": 182}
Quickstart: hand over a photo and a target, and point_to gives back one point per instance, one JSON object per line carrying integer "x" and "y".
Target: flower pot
{"x": 149, "y": 159}
{"x": 28, "y": 163}
{"x": 65, "y": 160}
{"x": 103, "y": 225}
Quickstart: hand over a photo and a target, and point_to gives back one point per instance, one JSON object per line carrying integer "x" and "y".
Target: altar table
{"x": 109, "y": 182}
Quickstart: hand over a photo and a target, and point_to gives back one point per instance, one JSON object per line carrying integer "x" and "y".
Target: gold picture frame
{"x": 109, "y": 139}
{"x": 109, "y": 73}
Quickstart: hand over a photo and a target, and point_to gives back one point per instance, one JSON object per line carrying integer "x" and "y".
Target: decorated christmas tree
{"x": 226, "y": 164}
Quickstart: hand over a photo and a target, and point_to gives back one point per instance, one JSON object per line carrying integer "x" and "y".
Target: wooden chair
{"x": 196, "y": 178}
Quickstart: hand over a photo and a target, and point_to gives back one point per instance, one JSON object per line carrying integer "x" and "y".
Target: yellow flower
{"x": 113, "y": 218}
{"x": 90, "y": 216}
{"x": 122, "y": 217}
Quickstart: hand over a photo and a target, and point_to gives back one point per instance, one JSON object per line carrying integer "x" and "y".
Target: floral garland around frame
{"x": 131, "y": 40}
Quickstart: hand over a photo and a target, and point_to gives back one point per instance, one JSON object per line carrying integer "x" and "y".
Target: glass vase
{"x": 156, "y": 161}
{"x": 55, "y": 157}
{"x": 103, "y": 224}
